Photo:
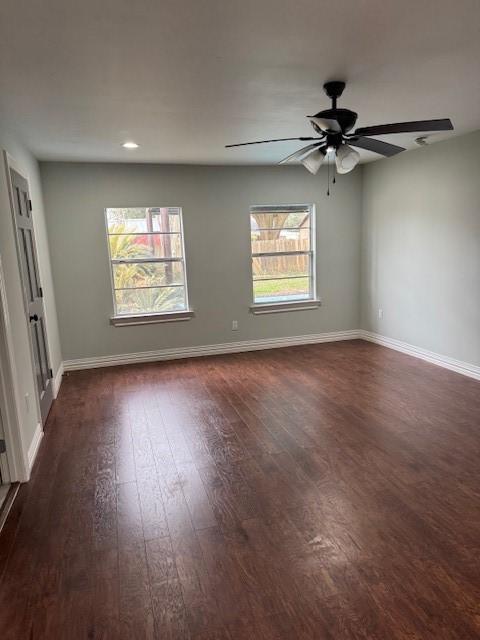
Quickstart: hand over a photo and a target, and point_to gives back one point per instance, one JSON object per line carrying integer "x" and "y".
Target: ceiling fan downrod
{"x": 334, "y": 90}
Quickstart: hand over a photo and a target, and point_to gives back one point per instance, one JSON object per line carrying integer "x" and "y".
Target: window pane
{"x": 147, "y": 274}
{"x": 284, "y": 290}
{"x": 270, "y": 241}
{"x": 132, "y": 220}
{"x": 150, "y": 300}
{"x": 279, "y": 219}
{"x": 145, "y": 246}
{"x": 166, "y": 219}
{"x": 280, "y": 266}
{"x": 143, "y": 219}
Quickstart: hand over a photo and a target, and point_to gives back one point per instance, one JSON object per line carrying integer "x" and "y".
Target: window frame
{"x": 312, "y": 301}
{"x": 124, "y": 319}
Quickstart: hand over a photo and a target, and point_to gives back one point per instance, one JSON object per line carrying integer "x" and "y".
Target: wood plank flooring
{"x": 321, "y": 492}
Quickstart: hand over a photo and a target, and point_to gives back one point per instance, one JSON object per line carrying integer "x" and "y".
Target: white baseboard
{"x": 458, "y": 366}
{"x": 34, "y": 445}
{"x": 465, "y": 368}
{"x": 57, "y": 380}
{"x": 207, "y": 350}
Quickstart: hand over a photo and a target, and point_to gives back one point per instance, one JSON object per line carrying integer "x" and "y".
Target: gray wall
{"x": 215, "y": 203}
{"x": 23, "y": 374}
{"x": 421, "y": 248}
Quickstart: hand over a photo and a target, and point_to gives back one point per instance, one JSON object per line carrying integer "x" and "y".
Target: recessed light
{"x": 130, "y": 145}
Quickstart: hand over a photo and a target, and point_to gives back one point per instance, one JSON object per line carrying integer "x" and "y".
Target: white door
{"x": 32, "y": 290}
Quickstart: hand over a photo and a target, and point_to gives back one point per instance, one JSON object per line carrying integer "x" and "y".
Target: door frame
{"x": 18, "y": 466}
{"x": 4, "y": 466}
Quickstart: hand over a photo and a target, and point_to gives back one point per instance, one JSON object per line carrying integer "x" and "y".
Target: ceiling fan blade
{"x": 377, "y": 146}
{"x": 244, "y": 144}
{"x": 301, "y": 153}
{"x": 325, "y": 124}
{"x": 415, "y": 126}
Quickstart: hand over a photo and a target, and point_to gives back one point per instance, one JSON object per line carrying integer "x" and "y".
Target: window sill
{"x": 280, "y": 307}
{"x": 151, "y": 318}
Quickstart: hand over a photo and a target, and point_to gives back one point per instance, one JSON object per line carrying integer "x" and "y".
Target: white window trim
{"x": 151, "y": 318}
{"x": 282, "y": 307}
{"x": 124, "y": 320}
{"x": 313, "y": 302}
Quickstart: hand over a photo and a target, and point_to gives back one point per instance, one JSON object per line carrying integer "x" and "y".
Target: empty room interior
{"x": 240, "y": 320}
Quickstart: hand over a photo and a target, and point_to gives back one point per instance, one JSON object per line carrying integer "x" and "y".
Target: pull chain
{"x": 328, "y": 175}
{"x": 334, "y": 180}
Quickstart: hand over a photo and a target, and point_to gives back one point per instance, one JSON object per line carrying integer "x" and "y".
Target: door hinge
{"x": 30, "y": 204}
{"x": 50, "y": 371}
{"x": 3, "y": 446}
{"x": 40, "y": 292}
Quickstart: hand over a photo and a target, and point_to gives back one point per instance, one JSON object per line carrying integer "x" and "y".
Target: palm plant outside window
{"x": 147, "y": 260}
{"x": 283, "y": 253}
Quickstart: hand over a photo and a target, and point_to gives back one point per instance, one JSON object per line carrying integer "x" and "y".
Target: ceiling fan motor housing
{"x": 345, "y": 118}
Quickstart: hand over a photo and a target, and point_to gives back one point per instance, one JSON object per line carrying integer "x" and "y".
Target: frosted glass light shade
{"x": 314, "y": 160}
{"x": 346, "y": 158}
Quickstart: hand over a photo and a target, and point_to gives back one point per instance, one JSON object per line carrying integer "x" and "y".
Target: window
{"x": 147, "y": 260}
{"x": 283, "y": 254}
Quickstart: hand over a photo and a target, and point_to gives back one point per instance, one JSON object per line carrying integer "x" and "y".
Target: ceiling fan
{"x": 333, "y": 126}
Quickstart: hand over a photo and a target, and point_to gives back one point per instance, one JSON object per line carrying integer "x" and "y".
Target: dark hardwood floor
{"x": 319, "y": 492}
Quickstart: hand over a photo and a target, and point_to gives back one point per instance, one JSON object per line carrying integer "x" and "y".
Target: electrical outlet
{"x": 234, "y": 325}
{"x": 380, "y": 314}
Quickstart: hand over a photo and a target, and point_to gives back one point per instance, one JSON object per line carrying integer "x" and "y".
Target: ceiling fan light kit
{"x": 334, "y": 138}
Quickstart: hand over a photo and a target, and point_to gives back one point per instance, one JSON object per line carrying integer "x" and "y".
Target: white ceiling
{"x": 185, "y": 77}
